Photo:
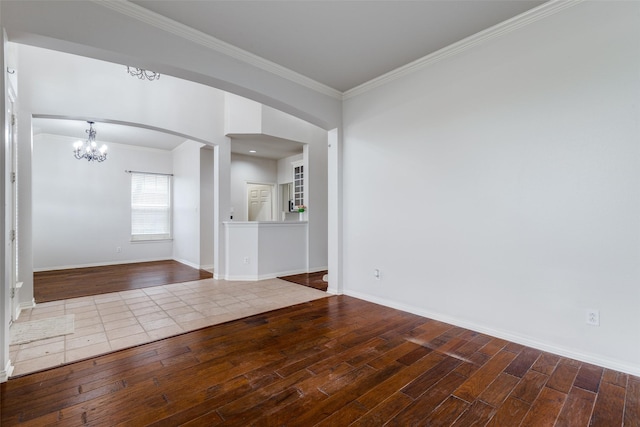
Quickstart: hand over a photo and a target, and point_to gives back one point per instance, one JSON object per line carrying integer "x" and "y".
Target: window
{"x": 150, "y": 206}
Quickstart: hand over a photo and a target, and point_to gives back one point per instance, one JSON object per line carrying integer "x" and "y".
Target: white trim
{"x": 255, "y": 278}
{"x": 526, "y": 18}
{"x": 24, "y": 306}
{"x": 316, "y": 269}
{"x": 519, "y": 339}
{"x": 27, "y": 305}
{"x": 188, "y": 263}
{"x": 154, "y": 19}
{"x": 6, "y": 372}
{"x": 21, "y": 306}
{"x": 208, "y": 267}
{"x": 99, "y": 264}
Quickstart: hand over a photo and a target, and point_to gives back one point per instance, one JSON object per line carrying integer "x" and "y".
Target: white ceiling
{"x": 108, "y": 133}
{"x": 341, "y": 44}
{"x": 265, "y": 146}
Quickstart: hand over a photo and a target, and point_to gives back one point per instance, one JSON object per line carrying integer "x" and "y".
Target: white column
{"x": 334, "y": 140}
{"x": 4, "y": 254}
{"x": 222, "y": 203}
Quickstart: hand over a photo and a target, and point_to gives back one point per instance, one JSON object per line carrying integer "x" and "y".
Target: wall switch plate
{"x": 593, "y": 317}
{"x": 246, "y": 260}
{"x": 376, "y": 274}
{"x": 118, "y": 249}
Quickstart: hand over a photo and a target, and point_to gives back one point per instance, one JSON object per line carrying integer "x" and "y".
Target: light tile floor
{"x": 114, "y": 321}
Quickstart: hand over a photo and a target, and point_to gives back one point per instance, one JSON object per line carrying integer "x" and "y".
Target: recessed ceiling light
{"x": 252, "y": 151}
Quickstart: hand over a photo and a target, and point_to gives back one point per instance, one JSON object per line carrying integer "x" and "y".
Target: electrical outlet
{"x": 593, "y": 317}
{"x": 246, "y": 260}
{"x": 118, "y": 249}
{"x": 376, "y": 274}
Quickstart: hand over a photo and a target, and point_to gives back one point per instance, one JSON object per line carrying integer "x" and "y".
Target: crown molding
{"x": 498, "y": 30}
{"x": 163, "y": 23}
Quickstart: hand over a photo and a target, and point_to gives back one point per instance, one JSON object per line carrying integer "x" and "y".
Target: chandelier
{"x": 89, "y": 149}
{"x": 142, "y": 74}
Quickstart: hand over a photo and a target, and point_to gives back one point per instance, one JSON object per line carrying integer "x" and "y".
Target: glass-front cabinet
{"x": 298, "y": 186}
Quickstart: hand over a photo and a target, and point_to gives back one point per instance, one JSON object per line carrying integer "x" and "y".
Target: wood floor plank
{"x": 589, "y": 377}
{"x": 493, "y": 346}
{"x": 57, "y": 285}
{"x": 510, "y": 413}
{"x": 609, "y": 406}
{"x": 313, "y": 364}
{"x": 499, "y": 389}
{"x": 545, "y": 408}
{"x": 427, "y": 402}
{"x": 523, "y": 362}
{"x": 311, "y": 280}
{"x": 563, "y": 377}
{"x": 546, "y": 363}
{"x": 479, "y": 381}
{"x": 577, "y": 408}
{"x": 530, "y": 386}
{"x": 396, "y": 383}
{"x": 478, "y": 414}
{"x": 632, "y": 403}
{"x": 384, "y": 411}
{"x": 447, "y": 412}
{"x": 425, "y": 381}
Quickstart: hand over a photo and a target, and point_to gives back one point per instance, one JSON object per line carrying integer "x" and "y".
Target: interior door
{"x": 260, "y": 204}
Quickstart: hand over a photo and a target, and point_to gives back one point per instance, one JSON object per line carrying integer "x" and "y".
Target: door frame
{"x": 274, "y": 197}
{"x": 11, "y": 200}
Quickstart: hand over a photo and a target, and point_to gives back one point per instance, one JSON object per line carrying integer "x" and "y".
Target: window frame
{"x": 158, "y": 236}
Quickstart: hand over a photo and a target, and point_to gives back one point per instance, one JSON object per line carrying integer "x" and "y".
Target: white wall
{"x": 249, "y": 169}
{"x": 82, "y": 210}
{"x": 251, "y": 254}
{"x": 499, "y": 189}
{"x": 207, "y": 208}
{"x": 285, "y": 169}
{"x": 315, "y": 158}
{"x": 186, "y": 203}
{"x": 66, "y": 85}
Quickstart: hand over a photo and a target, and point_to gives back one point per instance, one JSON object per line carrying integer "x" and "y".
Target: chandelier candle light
{"x": 89, "y": 149}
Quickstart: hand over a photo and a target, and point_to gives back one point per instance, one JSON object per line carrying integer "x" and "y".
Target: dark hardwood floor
{"x": 335, "y": 361}
{"x": 312, "y": 280}
{"x": 78, "y": 282}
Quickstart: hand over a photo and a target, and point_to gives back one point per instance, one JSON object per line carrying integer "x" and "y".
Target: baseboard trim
{"x": 255, "y": 278}
{"x": 6, "y": 372}
{"x": 206, "y": 267}
{"x": 187, "y": 263}
{"x": 516, "y": 338}
{"x": 27, "y": 305}
{"x": 316, "y": 269}
{"x": 99, "y": 264}
{"x": 24, "y": 306}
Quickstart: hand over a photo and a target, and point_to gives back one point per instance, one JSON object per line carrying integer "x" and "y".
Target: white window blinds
{"x": 150, "y": 206}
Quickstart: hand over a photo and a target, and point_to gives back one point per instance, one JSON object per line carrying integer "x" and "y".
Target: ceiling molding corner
{"x": 498, "y": 30}
{"x": 166, "y": 24}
